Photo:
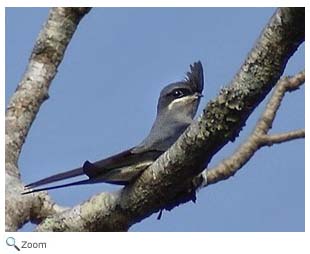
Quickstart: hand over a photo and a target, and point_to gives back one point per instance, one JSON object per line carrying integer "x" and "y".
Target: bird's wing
{"x": 99, "y": 171}
{"x": 120, "y": 160}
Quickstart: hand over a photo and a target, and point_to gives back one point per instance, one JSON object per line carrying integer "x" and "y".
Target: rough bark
{"x": 259, "y": 137}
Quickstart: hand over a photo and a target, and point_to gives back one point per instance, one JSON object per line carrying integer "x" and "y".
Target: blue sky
{"x": 103, "y": 100}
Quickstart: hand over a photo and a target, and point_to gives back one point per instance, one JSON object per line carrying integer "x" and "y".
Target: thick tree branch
{"x": 167, "y": 182}
{"x": 259, "y": 137}
{"x": 24, "y": 105}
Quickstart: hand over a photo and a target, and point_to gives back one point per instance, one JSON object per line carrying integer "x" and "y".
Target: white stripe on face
{"x": 183, "y": 101}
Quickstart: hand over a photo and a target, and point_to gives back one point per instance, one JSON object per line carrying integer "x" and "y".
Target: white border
{"x": 155, "y": 242}
{"x": 153, "y": 3}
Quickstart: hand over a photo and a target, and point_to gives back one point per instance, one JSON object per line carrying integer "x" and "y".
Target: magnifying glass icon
{"x": 10, "y": 241}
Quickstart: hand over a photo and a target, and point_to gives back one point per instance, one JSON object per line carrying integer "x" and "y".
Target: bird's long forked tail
{"x": 55, "y": 178}
{"x": 87, "y": 181}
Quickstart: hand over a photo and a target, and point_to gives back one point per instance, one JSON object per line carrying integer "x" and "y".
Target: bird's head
{"x": 181, "y": 99}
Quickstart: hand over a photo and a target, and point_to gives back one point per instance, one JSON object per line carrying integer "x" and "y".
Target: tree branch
{"x": 167, "y": 182}
{"x": 269, "y": 140}
{"x": 258, "y": 138}
{"x": 24, "y": 105}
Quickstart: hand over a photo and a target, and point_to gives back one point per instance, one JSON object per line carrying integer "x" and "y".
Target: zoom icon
{"x": 10, "y": 241}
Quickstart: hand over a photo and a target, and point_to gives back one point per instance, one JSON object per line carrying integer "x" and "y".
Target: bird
{"x": 176, "y": 108}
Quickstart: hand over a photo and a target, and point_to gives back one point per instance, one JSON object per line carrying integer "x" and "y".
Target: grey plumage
{"x": 176, "y": 108}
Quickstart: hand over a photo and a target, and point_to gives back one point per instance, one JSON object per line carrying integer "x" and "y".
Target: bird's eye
{"x": 178, "y": 93}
